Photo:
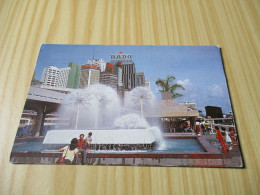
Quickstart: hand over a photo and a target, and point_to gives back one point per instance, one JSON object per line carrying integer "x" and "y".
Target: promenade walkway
{"x": 232, "y": 157}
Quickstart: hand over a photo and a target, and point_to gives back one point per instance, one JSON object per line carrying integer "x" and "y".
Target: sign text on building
{"x": 120, "y": 57}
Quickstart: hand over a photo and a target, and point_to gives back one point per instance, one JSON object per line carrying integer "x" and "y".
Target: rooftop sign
{"x": 120, "y": 57}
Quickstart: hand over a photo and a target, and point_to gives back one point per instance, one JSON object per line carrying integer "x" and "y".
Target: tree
{"x": 168, "y": 85}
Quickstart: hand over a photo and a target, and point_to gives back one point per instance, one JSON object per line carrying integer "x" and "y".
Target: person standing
{"x": 228, "y": 140}
{"x": 233, "y": 136}
{"x": 88, "y": 142}
{"x": 70, "y": 152}
{"x": 219, "y": 137}
{"x": 198, "y": 127}
{"x": 80, "y": 145}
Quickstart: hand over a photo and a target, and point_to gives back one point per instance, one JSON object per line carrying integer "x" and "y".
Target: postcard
{"x": 128, "y": 105}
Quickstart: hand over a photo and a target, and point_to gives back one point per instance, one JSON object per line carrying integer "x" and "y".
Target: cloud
{"x": 185, "y": 83}
{"x": 216, "y": 91}
{"x": 190, "y": 91}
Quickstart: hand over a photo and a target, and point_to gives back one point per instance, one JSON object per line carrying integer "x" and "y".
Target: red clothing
{"x": 198, "y": 128}
{"x": 220, "y": 138}
{"x": 233, "y": 137}
{"x": 80, "y": 143}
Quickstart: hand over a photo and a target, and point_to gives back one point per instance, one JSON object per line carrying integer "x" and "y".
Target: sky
{"x": 198, "y": 68}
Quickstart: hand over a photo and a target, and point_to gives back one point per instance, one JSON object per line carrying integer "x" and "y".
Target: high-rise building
{"x": 98, "y": 62}
{"x": 147, "y": 84}
{"x": 124, "y": 68}
{"x": 74, "y": 75}
{"x": 50, "y": 76}
{"x": 120, "y": 77}
{"x": 108, "y": 80}
{"x": 140, "y": 79}
{"x": 109, "y": 68}
{"x": 63, "y": 77}
{"x": 129, "y": 75}
{"x": 90, "y": 74}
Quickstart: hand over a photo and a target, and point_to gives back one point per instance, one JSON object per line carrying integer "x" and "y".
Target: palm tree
{"x": 167, "y": 85}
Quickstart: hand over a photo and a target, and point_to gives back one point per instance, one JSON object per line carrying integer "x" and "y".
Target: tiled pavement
{"x": 232, "y": 158}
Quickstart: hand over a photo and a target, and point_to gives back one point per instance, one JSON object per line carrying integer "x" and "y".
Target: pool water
{"x": 32, "y": 146}
{"x": 179, "y": 146}
{"x": 170, "y": 145}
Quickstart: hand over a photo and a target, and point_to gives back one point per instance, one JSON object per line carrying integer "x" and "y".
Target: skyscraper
{"x": 108, "y": 80}
{"x": 129, "y": 75}
{"x": 63, "y": 77}
{"x": 50, "y": 76}
{"x": 90, "y": 74}
{"x": 147, "y": 84}
{"x": 140, "y": 79}
{"x": 124, "y": 68}
{"x": 109, "y": 68}
{"x": 98, "y": 62}
{"x": 74, "y": 75}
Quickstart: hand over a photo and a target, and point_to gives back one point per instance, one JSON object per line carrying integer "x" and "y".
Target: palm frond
{"x": 161, "y": 83}
{"x": 176, "y": 86}
{"x": 175, "y": 95}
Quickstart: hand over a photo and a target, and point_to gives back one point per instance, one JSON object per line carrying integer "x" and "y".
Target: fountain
{"x": 121, "y": 135}
{"x": 102, "y": 105}
{"x": 77, "y": 100}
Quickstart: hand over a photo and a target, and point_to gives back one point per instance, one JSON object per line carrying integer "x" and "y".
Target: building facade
{"x": 118, "y": 61}
{"x": 63, "y": 77}
{"x": 109, "y": 68}
{"x": 98, "y": 62}
{"x": 128, "y": 75}
{"x": 90, "y": 74}
{"x": 140, "y": 79}
{"x": 50, "y": 76}
{"x": 74, "y": 75}
{"x": 108, "y": 80}
{"x": 147, "y": 84}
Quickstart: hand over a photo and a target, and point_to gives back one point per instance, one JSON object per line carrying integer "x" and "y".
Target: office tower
{"x": 98, "y": 62}
{"x": 120, "y": 76}
{"x": 74, "y": 75}
{"x": 50, "y": 76}
{"x": 63, "y": 77}
{"x": 129, "y": 75}
{"x": 90, "y": 74}
{"x": 140, "y": 79}
{"x": 109, "y": 68}
{"x": 108, "y": 80}
{"x": 147, "y": 84}
{"x": 124, "y": 68}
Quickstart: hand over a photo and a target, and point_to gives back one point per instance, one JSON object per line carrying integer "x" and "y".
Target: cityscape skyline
{"x": 198, "y": 68}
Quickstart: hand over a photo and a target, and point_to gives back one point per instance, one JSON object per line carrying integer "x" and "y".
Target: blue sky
{"x": 198, "y": 68}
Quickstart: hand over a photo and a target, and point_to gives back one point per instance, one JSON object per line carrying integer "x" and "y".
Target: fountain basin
{"x": 208, "y": 157}
{"x": 115, "y": 139}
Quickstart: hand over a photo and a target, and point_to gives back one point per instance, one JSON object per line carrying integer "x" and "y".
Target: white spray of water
{"x": 107, "y": 107}
{"x": 131, "y": 121}
{"x": 98, "y": 106}
{"x": 77, "y": 100}
{"x": 140, "y": 98}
